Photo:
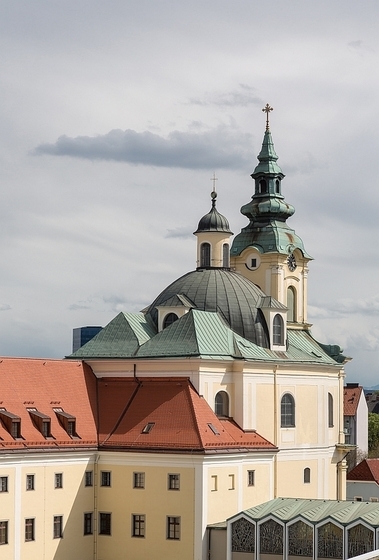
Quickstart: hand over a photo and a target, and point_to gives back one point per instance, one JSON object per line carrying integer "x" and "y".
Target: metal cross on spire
{"x": 267, "y": 109}
{"x": 213, "y": 193}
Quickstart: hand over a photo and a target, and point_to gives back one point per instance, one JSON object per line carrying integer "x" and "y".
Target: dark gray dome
{"x": 222, "y": 291}
{"x": 213, "y": 221}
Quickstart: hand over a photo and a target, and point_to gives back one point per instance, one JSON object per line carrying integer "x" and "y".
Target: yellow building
{"x": 212, "y": 400}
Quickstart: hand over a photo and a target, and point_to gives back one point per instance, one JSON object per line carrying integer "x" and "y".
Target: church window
{"x": 205, "y": 255}
{"x": 271, "y": 538}
{"x": 330, "y": 411}
{"x": 262, "y": 186}
{"x": 291, "y": 304}
{"x": 277, "y": 186}
{"x": 169, "y": 319}
{"x": 360, "y": 540}
{"x": 300, "y": 539}
{"x": 287, "y": 411}
{"x": 243, "y": 536}
{"x": 330, "y": 541}
{"x": 278, "y": 331}
{"x": 225, "y": 255}
{"x": 222, "y": 404}
{"x": 307, "y": 475}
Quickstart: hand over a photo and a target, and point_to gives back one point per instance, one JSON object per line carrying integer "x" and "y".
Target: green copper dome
{"x": 235, "y": 298}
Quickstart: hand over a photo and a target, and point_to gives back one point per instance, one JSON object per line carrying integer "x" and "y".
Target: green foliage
{"x": 373, "y": 432}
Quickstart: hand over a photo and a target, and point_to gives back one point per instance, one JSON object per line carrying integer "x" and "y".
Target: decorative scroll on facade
{"x": 360, "y": 540}
{"x": 243, "y": 536}
{"x": 271, "y": 538}
{"x": 330, "y": 541}
{"x": 300, "y": 539}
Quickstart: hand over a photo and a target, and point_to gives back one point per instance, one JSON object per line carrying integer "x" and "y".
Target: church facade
{"x": 213, "y": 399}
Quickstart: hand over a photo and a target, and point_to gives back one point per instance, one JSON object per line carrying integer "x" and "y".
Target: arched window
{"x": 262, "y": 186}
{"x": 287, "y": 411}
{"x": 330, "y": 411}
{"x": 205, "y": 254}
{"x": 277, "y": 186}
{"x": 225, "y": 255}
{"x": 307, "y": 475}
{"x": 291, "y": 304}
{"x": 169, "y": 319}
{"x": 222, "y": 404}
{"x": 278, "y": 331}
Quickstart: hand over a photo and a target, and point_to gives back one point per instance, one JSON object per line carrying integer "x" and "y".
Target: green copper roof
{"x": 214, "y": 221}
{"x": 267, "y": 158}
{"x": 196, "y": 334}
{"x": 268, "y": 211}
{"x": 120, "y": 338}
{"x": 315, "y": 511}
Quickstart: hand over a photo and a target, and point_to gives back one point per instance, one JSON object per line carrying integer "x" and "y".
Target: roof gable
{"x": 367, "y": 470}
{"x": 179, "y": 418}
{"x": 351, "y": 397}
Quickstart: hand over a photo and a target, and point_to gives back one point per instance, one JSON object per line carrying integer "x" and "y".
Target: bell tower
{"x": 213, "y": 234}
{"x": 267, "y": 251}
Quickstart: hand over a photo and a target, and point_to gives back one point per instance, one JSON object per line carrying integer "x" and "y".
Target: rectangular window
{"x": 250, "y": 478}
{"x": 105, "y": 524}
{"x": 88, "y": 480}
{"x": 138, "y": 528}
{"x": 3, "y": 484}
{"x": 88, "y": 523}
{"x": 139, "y": 480}
{"x": 46, "y": 431}
{"x": 173, "y": 528}
{"x": 29, "y": 530}
{"x": 105, "y": 478}
{"x": 58, "y": 527}
{"x": 58, "y": 480}
{"x": 174, "y": 481}
{"x": 30, "y": 481}
{"x": 358, "y": 498}
{"x": 3, "y": 532}
{"x": 374, "y": 499}
{"x": 231, "y": 482}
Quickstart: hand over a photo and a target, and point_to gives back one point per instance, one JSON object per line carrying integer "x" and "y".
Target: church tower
{"x": 267, "y": 251}
{"x": 213, "y": 234}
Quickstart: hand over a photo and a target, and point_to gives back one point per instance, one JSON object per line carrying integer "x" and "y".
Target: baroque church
{"x": 213, "y": 399}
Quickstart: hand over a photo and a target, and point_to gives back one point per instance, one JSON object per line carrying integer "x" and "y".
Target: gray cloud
{"x": 5, "y": 307}
{"x": 181, "y": 232}
{"x": 222, "y": 147}
{"x": 243, "y": 97}
{"x": 78, "y": 306}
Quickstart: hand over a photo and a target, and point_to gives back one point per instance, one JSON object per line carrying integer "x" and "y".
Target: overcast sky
{"x": 114, "y": 115}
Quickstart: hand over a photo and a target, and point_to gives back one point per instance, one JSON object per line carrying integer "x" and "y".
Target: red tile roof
{"x": 182, "y": 420}
{"x": 367, "y": 470}
{"x": 351, "y": 400}
{"x": 44, "y": 385}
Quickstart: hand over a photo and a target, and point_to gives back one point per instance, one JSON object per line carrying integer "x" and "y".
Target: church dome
{"x": 234, "y": 297}
{"x": 213, "y": 221}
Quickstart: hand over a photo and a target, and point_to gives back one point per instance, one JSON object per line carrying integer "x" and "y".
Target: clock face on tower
{"x": 291, "y": 262}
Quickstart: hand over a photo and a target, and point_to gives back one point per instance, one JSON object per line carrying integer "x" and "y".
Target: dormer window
{"x": 11, "y": 422}
{"x": 67, "y": 421}
{"x": 278, "y": 331}
{"x": 41, "y": 421}
{"x": 169, "y": 319}
{"x": 147, "y": 429}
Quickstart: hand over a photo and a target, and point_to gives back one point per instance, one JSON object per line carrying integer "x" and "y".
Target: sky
{"x": 115, "y": 115}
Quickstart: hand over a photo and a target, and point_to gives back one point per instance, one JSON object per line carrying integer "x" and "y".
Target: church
{"x": 213, "y": 399}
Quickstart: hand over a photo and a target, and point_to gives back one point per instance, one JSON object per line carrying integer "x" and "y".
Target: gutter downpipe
{"x": 275, "y": 432}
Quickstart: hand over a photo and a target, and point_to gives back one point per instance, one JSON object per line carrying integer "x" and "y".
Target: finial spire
{"x": 267, "y": 109}
{"x": 213, "y": 193}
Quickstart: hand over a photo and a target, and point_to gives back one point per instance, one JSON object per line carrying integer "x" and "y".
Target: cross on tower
{"x": 267, "y": 109}
{"x": 214, "y": 179}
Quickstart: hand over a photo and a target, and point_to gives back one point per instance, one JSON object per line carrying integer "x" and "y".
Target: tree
{"x": 373, "y": 434}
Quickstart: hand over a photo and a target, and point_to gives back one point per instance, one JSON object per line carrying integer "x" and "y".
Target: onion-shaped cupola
{"x": 213, "y": 234}
{"x": 267, "y": 211}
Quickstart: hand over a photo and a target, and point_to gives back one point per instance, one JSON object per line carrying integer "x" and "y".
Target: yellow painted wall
{"x": 156, "y": 502}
